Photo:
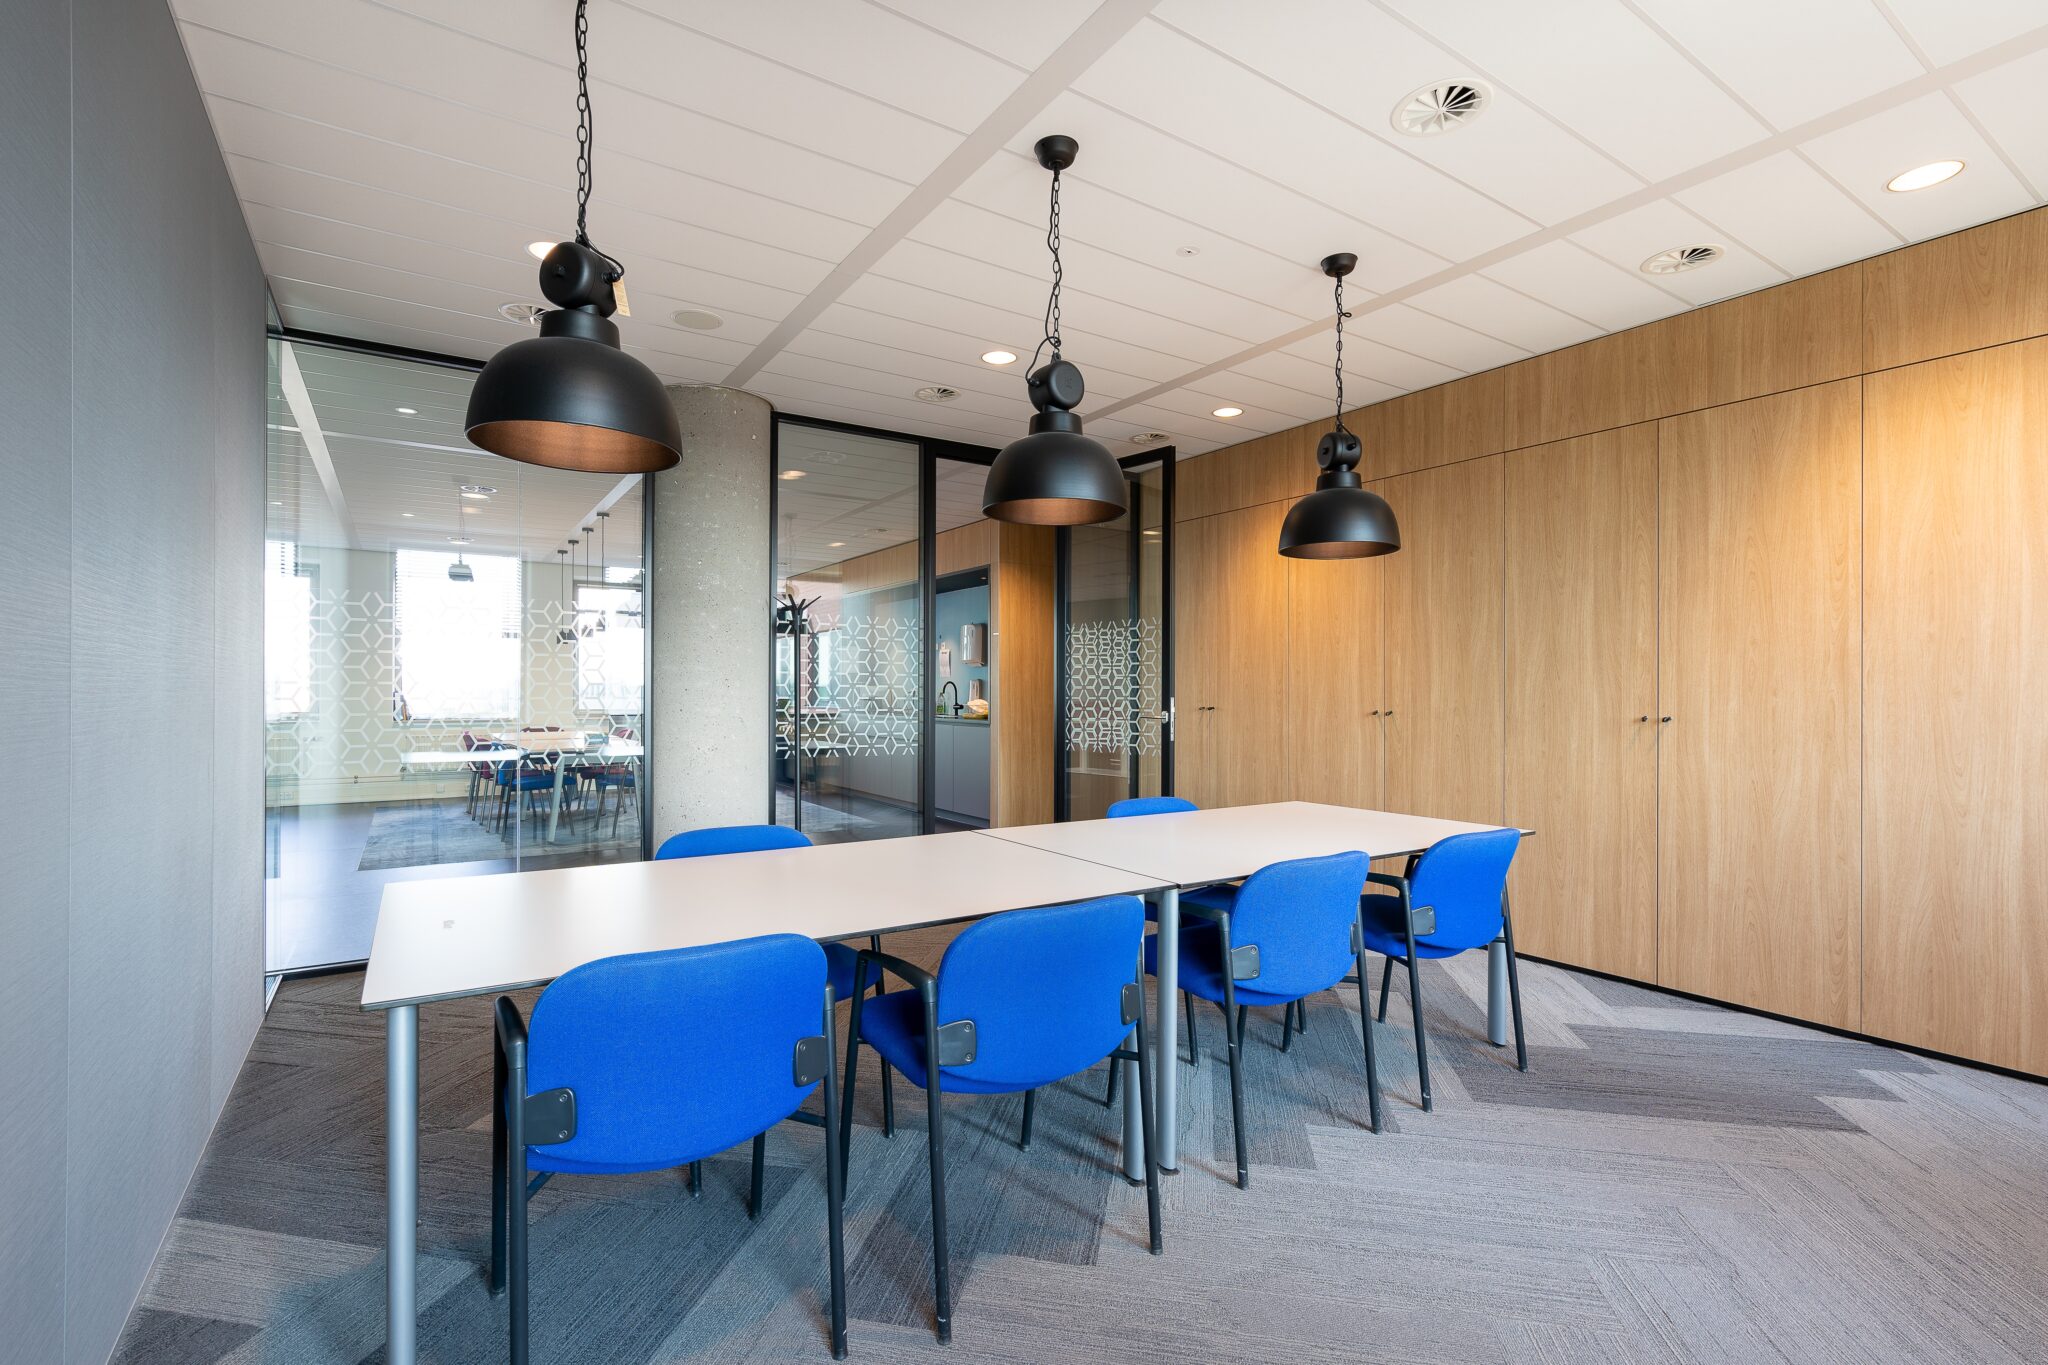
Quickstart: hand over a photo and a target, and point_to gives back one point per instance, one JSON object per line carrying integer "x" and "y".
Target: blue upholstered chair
{"x": 839, "y": 957}
{"x": 525, "y": 779}
{"x": 1020, "y": 1000}
{"x": 613, "y": 1076}
{"x": 1292, "y": 930}
{"x": 1454, "y": 899}
{"x": 1148, "y": 805}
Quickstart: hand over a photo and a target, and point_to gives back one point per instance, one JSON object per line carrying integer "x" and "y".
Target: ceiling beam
{"x": 1083, "y": 48}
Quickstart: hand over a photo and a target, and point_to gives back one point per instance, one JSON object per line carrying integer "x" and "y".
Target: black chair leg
{"x": 1233, "y": 1028}
{"x": 1147, "y": 1121}
{"x": 1187, "y": 1010}
{"x": 1421, "y": 1039}
{"x": 860, "y": 981}
{"x": 888, "y": 1098}
{"x": 934, "y": 1099}
{"x": 1301, "y": 1016}
{"x": 1024, "y": 1141}
{"x": 1287, "y": 1026}
{"x": 501, "y": 1190}
{"x": 1386, "y": 985}
{"x": 760, "y": 1165}
{"x": 1507, "y": 929}
{"x": 696, "y": 1180}
{"x": 835, "y": 1197}
{"x": 516, "y": 1251}
{"x": 1115, "y": 1070}
{"x": 1365, "y": 1023}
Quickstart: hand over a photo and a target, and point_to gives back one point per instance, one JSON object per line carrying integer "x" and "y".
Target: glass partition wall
{"x": 882, "y": 692}
{"x": 454, "y": 651}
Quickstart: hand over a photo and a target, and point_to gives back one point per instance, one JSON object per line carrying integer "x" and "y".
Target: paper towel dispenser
{"x": 974, "y": 644}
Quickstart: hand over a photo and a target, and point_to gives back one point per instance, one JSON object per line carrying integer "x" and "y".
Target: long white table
{"x": 468, "y": 936}
{"x": 1191, "y": 849}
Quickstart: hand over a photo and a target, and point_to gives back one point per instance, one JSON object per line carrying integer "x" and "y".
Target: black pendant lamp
{"x": 570, "y": 398}
{"x": 1055, "y": 476}
{"x": 1342, "y": 519}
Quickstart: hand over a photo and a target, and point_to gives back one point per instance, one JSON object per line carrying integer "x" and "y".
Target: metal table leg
{"x": 401, "y": 1182}
{"x": 1166, "y": 1036}
{"x": 1497, "y": 993}
{"x": 555, "y": 810}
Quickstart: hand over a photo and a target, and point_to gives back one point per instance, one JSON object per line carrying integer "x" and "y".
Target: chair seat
{"x": 893, "y": 1025}
{"x": 1383, "y": 931}
{"x": 610, "y": 777}
{"x": 532, "y": 782}
{"x": 1201, "y": 967}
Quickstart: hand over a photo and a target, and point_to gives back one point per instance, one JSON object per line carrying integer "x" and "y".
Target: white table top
{"x": 1196, "y": 848}
{"x": 460, "y": 936}
{"x": 427, "y": 757}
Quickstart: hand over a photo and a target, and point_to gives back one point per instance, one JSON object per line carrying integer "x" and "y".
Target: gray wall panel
{"x": 35, "y": 668}
{"x": 133, "y": 385}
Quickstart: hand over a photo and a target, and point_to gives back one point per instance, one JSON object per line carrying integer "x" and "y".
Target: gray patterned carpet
{"x": 1670, "y": 1182}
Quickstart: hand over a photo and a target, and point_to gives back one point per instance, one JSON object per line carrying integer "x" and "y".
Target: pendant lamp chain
{"x": 1341, "y": 315}
{"x": 586, "y": 139}
{"x": 1052, "y": 302}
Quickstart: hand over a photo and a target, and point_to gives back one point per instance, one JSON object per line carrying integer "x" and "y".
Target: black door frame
{"x": 1166, "y": 458}
{"x": 930, "y": 450}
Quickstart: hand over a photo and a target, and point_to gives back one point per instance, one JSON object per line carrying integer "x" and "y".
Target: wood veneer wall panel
{"x": 1786, "y": 337}
{"x": 1433, "y": 426}
{"x": 1335, "y": 683}
{"x": 1980, "y": 287}
{"x": 1582, "y": 698}
{"x": 1955, "y": 673}
{"x": 966, "y": 547}
{"x": 1759, "y": 810}
{"x": 1272, "y": 468}
{"x": 1613, "y": 381}
{"x": 1443, "y": 593}
{"x": 1021, "y": 752}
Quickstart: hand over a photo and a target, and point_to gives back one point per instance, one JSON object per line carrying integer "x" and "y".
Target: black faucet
{"x": 957, "y": 707}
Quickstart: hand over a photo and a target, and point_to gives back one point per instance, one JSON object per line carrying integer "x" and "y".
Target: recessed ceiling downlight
{"x": 936, "y": 393}
{"x": 1924, "y": 177}
{"x": 698, "y": 319}
{"x": 539, "y": 250}
{"x": 1683, "y": 258}
{"x": 1227, "y": 410}
{"x": 1443, "y": 107}
{"x": 524, "y": 313}
{"x": 998, "y": 357}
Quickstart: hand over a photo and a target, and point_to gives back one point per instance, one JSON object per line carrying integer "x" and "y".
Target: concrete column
{"x": 709, "y": 590}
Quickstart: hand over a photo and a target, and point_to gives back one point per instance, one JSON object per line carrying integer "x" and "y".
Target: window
{"x": 611, "y": 645}
{"x": 287, "y": 632}
{"x": 457, "y": 645}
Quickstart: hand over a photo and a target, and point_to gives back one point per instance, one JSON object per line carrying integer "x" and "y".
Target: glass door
{"x": 1114, "y": 599}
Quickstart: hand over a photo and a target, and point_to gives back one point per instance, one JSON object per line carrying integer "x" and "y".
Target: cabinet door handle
{"x": 1642, "y": 720}
{"x": 1388, "y": 714}
{"x": 1375, "y": 712}
{"x": 1664, "y": 720}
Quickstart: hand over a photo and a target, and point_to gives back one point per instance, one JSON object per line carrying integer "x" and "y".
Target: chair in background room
{"x": 1293, "y": 930}
{"x": 1020, "y": 1000}
{"x": 1454, "y": 899}
{"x": 524, "y": 779}
{"x": 839, "y": 957}
{"x": 612, "y": 1076}
{"x": 619, "y": 778}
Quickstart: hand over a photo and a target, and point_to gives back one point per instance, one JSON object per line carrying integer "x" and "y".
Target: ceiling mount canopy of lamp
{"x": 570, "y": 398}
{"x": 1341, "y": 519}
{"x": 1055, "y": 476}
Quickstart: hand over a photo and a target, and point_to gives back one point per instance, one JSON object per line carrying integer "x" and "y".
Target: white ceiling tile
{"x": 1448, "y": 343}
{"x": 1600, "y": 70}
{"x": 1022, "y": 34}
{"x": 1569, "y": 277}
{"x": 1819, "y": 54}
{"x": 1171, "y": 83}
{"x": 1515, "y": 156}
{"x": 2010, "y": 103}
{"x": 1865, "y": 155}
{"x": 1630, "y": 238}
{"x": 1307, "y": 363}
{"x": 1790, "y": 213}
{"x": 1949, "y": 30}
{"x": 1495, "y": 310}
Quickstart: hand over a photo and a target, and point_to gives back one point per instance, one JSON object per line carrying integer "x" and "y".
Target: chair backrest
{"x": 702, "y": 843}
{"x": 1044, "y": 988}
{"x": 1149, "y": 805}
{"x": 1463, "y": 877}
{"x": 622, "y": 732}
{"x": 678, "y": 1054}
{"x": 1300, "y": 913}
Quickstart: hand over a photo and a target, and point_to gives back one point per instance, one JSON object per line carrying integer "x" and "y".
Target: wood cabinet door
{"x": 1582, "y": 698}
{"x": 1336, "y": 688}
{"x": 1758, "y": 817}
{"x": 1443, "y": 643}
{"x": 1955, "y": 695}
{"x": 1249, "y": 667}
